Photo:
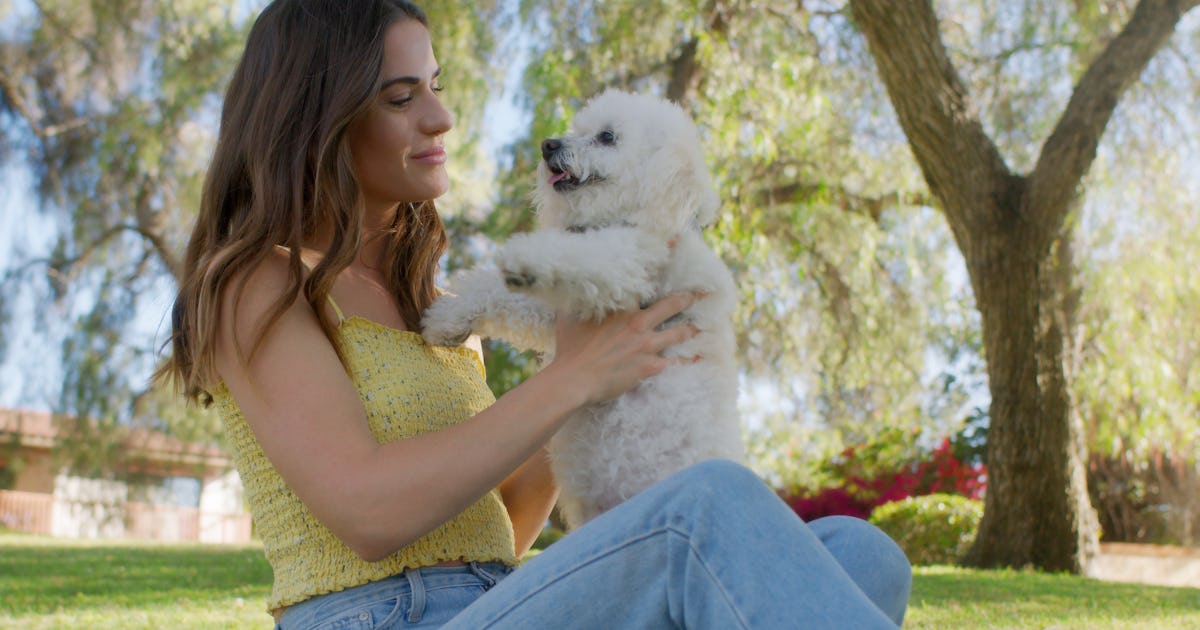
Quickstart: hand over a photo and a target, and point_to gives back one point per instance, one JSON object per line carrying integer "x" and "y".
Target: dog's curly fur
{"x": 621, "y": 202}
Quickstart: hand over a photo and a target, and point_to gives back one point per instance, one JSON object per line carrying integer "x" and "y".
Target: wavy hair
{"x": 282, "y": 167}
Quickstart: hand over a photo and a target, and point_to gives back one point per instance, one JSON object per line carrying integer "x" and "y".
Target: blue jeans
{"x": 418, "y": 598}
{"x": 710, "y": 547}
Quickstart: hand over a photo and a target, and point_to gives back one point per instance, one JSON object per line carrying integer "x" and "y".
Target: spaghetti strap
{"x": 337, "y": 310}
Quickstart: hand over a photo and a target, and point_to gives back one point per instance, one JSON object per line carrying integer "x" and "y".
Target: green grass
{"x": 51, "y": 583}
{"x": 948, "y": 597}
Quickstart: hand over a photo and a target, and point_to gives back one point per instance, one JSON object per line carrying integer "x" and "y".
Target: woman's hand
{"x": 602, "y": 360}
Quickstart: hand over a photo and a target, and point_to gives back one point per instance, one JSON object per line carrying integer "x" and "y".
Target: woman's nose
{"x": 438, "y": 120}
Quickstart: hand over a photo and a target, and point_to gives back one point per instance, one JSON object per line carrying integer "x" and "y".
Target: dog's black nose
{"x": 550, "y": 146}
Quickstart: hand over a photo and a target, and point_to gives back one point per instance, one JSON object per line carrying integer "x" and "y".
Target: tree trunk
{"x": 1011, "y": 231}
{"x": 1037, "y": 510}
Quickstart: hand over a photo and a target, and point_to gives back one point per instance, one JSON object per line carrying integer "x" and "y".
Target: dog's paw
{"x": 451, "y": 337}
{"x": 519, "y": 268}
{"x": 518, "y": 280}
{"x": 446, "y": 322}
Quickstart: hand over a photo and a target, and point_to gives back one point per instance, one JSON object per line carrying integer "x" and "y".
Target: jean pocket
{"x": 366, "y": 616}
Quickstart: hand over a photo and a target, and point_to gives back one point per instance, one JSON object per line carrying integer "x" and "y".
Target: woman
{"x": 388, "y": 486}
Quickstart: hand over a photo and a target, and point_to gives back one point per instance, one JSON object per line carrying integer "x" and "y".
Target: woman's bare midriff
{"x": 278, "y": 612}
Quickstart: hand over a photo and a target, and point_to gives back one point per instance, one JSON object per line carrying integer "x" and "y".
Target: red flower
{"x": 858, "y": 494}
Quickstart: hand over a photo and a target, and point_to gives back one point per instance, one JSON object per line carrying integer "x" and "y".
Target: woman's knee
{"x": 718, "y": 479}
{"x": 855, "y": 536}
{"x": 707, "y": 485}
{"x": 872, "y": 559}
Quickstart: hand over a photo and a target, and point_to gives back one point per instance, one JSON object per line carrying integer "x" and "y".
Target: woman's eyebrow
{"x": 407, "y": 80}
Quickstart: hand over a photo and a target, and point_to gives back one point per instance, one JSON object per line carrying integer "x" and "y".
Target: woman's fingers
{"x": 676, "y": 335}
{"x": 654, "y": 315}
{"x": 612, "y": 356}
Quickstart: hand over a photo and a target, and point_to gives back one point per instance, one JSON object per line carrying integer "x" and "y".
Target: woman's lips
{"x": 436, "y": 155}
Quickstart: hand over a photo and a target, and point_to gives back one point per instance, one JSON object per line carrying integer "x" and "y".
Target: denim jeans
{"x": 710, "y": 547}
{"x": 418, "y": 598}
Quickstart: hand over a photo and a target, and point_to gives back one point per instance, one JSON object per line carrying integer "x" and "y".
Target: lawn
{"x": 50, "y": 583}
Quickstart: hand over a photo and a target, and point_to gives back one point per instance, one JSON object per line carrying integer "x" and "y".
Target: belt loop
{"x": 417, "y": 586}
{"x": 483, "y": 574}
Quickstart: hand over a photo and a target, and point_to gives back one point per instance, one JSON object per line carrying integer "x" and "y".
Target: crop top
{"x": 407, "y": 388}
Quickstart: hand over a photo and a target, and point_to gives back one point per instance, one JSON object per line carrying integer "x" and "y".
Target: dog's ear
{"x": 709, "y": 202}
{"x": 690, "y": 184}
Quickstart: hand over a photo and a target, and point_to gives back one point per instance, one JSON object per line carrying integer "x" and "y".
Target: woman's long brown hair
{"x": 282, "y": 168}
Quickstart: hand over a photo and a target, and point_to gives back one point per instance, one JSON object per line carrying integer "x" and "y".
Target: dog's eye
{"x": 607, "y": 137}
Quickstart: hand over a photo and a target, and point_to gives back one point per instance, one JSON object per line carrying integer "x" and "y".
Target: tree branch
{"x": 685, "y": 70}
{"x": 11, "y": 94}
{"x": 960, "y": 162}
{"x": 149, "y": 226}
{"x": 1071, "y": 148}
{"x": 873, "y": 207}
{"x": 683, "y": 73}
{"x": 164, "y": 251}
{"x": 63, "y": 270}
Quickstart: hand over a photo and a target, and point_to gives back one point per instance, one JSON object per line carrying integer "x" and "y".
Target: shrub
{"x": 863, "y": 481}
{"x": 931, "y": 529}
{"x": 1152, "y": 498}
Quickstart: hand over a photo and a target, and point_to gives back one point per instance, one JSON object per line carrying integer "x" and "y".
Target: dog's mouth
{"x": 563, "y": 180}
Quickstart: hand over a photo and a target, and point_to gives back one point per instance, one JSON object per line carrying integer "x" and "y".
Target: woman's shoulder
{"x": 258, "y": 292}
{"x": 265, "y": 280}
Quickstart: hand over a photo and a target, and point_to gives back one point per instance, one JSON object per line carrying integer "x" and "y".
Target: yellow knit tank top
{"x": 408, "y": 388}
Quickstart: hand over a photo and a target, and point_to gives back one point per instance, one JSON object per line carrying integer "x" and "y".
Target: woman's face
{"x": 398, "y": 148}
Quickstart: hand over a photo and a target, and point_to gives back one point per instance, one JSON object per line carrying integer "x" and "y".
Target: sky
{"x": 20, "y": 229}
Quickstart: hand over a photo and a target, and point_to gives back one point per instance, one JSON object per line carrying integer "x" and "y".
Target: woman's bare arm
{"x": 306, "y": 415}
{"x": 529, "y": 494}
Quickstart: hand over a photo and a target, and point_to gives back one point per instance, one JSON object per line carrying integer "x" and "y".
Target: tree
{"x": 1014, "y": 233}
{"x": 107, "y": 104}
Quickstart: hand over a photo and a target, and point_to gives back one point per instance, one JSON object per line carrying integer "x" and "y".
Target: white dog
{"x": 621, "y": 203}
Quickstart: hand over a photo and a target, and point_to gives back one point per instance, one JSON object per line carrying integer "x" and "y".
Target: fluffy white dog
{"x": 621, "y": 202}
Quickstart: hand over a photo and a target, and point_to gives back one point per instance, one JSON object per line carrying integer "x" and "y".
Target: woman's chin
{"x": 423, "y": 191}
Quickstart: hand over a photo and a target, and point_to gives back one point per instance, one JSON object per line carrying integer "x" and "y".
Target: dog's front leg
{"x": 481, "y": 304}
{"x": 590, "y": 274}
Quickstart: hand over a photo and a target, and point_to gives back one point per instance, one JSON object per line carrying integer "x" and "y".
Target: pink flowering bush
{"x": 863, "y": 478}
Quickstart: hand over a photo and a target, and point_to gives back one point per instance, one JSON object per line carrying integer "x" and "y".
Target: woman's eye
{"x": 437, "y": 88}
{"x": 607, "y": 137}
{"x": 400, "y": 102}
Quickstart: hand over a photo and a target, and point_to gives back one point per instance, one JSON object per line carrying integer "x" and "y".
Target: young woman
{"x": 390, "y": 489}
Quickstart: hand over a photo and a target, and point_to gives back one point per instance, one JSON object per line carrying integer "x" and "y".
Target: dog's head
{"x": 630, "y": 158}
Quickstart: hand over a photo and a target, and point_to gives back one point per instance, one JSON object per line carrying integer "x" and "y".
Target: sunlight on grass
{"x": 50, "y": 584}
{"x": 949, "y": 597}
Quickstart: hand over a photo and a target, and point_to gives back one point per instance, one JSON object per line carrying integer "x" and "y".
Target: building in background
{"x": 164, "y": 489}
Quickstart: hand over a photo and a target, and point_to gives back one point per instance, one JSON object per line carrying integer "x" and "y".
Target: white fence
{"x": 48, "y": 515}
